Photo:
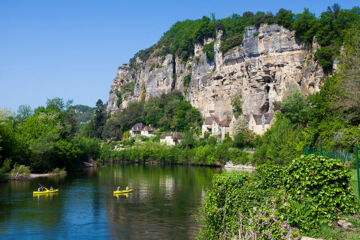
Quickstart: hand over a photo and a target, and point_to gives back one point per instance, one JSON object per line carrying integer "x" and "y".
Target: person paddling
{"x": 118, "y": 188}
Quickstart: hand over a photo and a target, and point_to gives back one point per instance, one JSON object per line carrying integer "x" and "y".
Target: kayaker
{"x": 127, "y": 188}
{"x": 118, "y": 188}
{"x": 39, "y": 189}
{"x": 51, "y": 188}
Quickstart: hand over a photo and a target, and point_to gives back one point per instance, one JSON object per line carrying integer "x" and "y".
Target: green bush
{"x": 19, "y": 171}
{"x": 208, "y": 49}
{"x": 270, "y": 175}
{"x": 230, "y": 42}
{"x": 276, "y": 201}
{"x": 229, "y": 203}
{"x": 59, "y": 171}
{"x": 318, "y": 190}
{"x": 240, "y": 157}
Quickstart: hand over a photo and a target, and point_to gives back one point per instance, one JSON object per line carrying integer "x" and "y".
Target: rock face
{"x": 261, "y": 71}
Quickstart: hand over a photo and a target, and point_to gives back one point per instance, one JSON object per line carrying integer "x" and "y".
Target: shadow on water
{"x": 163, "y": 205}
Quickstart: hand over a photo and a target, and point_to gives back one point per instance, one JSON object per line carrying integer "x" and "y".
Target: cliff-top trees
{"x": 328, "y": 29}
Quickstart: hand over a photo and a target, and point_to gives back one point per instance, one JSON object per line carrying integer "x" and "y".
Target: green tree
{"x": 236, "y": 105}
{"x": 296, "y": 107}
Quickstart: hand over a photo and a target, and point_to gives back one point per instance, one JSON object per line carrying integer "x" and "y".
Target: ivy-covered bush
{"x": 270, "y": 175}
{"x": 320, "y": 187}
{"x": 228, "y": 205}
{"x": 276, "y": 202}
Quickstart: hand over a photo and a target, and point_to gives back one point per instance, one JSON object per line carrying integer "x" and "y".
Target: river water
{"x": 164, "y": 204}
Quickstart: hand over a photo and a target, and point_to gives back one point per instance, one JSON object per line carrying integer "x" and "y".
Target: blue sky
{"x": 72, "y": 48}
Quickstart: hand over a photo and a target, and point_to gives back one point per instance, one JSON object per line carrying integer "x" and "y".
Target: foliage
{"x": 96, "y": 126}
{"x": 83, "y": 113}
{"x": 187, "y": 80}
{"x": 19, "y": 171}
{"x": 205, "y": 152}
{"x": 89, "y": 148}
{"x": 231, "y": 42}
{"x": 229, "y": 203}
{"x": 59, "y": 171}
{"x": 282, "y": 143}
{"x": 208, "y": 49}
{"x": 328, "y": 29}
{"x": 295, "y": 107}
{"x": 270, "y": 175}
{"x": 276, "y": 201}
{"x": 348, "y": 101}
{"x": 320, "y": 186}
{"x": 42, "y": 140}
{"x": 243, "y": 136}
{"x": 236, "y": 105}
{"x": 169, "y": 112}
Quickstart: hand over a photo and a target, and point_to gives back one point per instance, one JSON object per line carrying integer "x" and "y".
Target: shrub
{"x": 229, "y": 203}
{"x": 208, "y": 49}
{"x": 231, "y": 42}
{"x": 270, "y": 175}
{"x": 59, "y": 171}
{"x": 318, "y": 191}
{"x": 19, "y": 171}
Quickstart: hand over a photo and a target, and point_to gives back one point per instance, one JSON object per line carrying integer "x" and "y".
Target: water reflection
{"x": 163, "y": 205}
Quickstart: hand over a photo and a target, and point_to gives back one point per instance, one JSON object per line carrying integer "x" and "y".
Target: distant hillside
{"x": 83, "y": 113}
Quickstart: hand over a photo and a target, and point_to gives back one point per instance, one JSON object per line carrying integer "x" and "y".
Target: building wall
{"x": 204, "y": 129}
{"x": 147, "y": 134}
{"x": 215, "y": 129}
{"x": 168, "y": 141}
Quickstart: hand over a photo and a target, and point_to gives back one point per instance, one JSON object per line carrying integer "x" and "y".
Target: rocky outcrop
{"x": 261, "y": 71}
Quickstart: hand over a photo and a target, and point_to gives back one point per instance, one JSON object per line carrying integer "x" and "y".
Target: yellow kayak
{"x": 45, "y": 192}
{"x": 123, "y": 191}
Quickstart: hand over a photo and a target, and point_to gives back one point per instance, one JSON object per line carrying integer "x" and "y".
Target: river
{"x": 164, "y": 204}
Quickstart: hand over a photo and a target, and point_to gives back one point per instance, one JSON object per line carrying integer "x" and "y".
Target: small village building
{"x": 136, "y": 129}
{"x": 171, "y": 138}
{"x": 141, "y": 129}
{"x": 207, "y": 125}
{"x": 148, "y": 131}
{"x": 225, "y": 127}
{"x": 260, "y": 123}
{"x": 215, "y": 127}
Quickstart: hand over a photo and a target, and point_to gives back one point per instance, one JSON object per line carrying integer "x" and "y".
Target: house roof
{"x": 148, "y": 128}
{"x": 225, "y": 122}
{"x": 266, "y": 117}
{"x": 174, "y": 135}
{"x": 138, "y": 127}
{"x": 216, "y": 119}
{"x": 208, "y": 121}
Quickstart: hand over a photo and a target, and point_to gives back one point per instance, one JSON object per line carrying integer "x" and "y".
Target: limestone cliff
{"x": 262, "y": 70}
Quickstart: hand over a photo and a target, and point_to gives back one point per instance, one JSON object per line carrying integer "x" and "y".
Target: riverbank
{"x": 35, "y": 175}
{"x": 283, "y": 201}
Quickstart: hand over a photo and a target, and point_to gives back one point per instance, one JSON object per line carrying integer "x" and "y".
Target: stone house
{"x": 260, "y": 123}
{"x": 225, "y": 127}
{"x": 141, "y": 129}
{"x": 207, "y": 125}
{"x": 171, "y": 138}
{"x": 148, "y": 131}
{"x": 215, "y": 127}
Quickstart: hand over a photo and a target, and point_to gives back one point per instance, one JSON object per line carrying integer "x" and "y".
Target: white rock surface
{"x": 261, "y": 71}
